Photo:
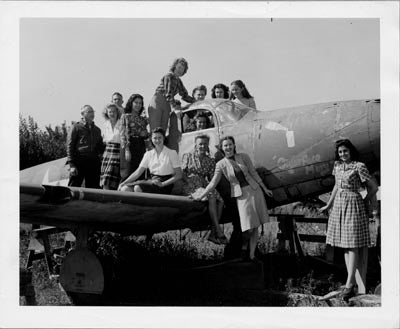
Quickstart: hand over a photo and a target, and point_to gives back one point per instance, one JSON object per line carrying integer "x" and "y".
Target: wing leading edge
{"x": 123, "y": 212}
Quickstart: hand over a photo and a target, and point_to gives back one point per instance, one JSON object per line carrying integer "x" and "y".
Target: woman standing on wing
{"x": 163, "y": 164}
{"x": 240, "y": 94}
{"x": 133, "y": 135}
{"x": 246, "y": 187}
{"x": 163, "y": 100}
{"x": 110, "y": 164}
{"x": 198, "y": 168}
{"x": 348, "y": 221}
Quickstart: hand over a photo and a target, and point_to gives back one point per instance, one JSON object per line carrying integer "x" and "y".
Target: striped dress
{"x": 348, "y": 220}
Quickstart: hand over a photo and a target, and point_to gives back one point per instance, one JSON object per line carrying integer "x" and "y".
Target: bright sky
{"x": 68, "y": 62}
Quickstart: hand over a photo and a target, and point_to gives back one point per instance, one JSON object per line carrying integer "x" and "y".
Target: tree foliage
{"x": 37, "y": 146}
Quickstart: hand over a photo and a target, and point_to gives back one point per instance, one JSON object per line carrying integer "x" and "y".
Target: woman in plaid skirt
{"x": 110, "y": 177}
{"x": 348, "y": 220}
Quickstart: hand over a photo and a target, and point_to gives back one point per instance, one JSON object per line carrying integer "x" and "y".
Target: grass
{"x": 129, "y": 262}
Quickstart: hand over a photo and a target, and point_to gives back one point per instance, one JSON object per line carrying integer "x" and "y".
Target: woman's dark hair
{"x": 240, "y": 84}
{"x": 128, "y": 106}
{"x": 176, "y": 62}
{"x": 201, "y": 87}
{"x": 203, "y": 115}
{"x": 354, "y": 155}
{"x": 158, "y": 130}
{"x": 225, "y": 139}
{"x": 220, "y": 86}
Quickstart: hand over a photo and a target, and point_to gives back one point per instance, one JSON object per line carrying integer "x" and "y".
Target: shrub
{"x": 37, "y": 146}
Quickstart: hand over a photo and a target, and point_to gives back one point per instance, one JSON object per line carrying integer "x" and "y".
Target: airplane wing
{"x": 122, "y": 212}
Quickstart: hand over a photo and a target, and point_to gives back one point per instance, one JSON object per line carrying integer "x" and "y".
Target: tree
{"x": 37, "y": 146}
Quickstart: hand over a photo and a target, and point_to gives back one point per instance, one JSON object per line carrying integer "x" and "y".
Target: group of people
{"x": 116, "y": 158}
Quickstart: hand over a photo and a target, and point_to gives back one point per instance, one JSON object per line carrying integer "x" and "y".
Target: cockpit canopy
{"x": 226, "y": 111}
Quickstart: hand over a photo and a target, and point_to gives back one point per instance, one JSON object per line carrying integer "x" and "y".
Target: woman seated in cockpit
{"x": 201, "y": 121}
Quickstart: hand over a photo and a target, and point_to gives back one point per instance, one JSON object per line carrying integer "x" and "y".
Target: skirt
{"x": 252, "y": 207}
{"x": 348, "y": 221}
{"x": 147, "y": 187}
{"x": 137, "y": 147}
{"x": 110, "y": 163}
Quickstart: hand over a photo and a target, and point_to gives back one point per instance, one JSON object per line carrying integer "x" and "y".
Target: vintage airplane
{"x": 292, "y": 149}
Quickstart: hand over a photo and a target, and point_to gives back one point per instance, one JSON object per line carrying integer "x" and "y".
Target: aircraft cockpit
{"x": 214, "y": 112}
{"x": 196, "y": 120}
{"x": 211, "y": 117}
{"x": 230, "y": 112}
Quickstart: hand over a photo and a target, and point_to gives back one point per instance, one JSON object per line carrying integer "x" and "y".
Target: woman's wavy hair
{"x": 128, "y": 106}
{"x": 175, "y": 63}
{"x": 201, "y": 87}
{"x": 203, "y": 115}
{"x": 220, "y": 86}
{"x": 158, "y": 130}
{"x": 203, "y": 136}
{"x": 240, "y": 84}
{"x": 225, "y": 139}
{"x": 354, "y": 154}
{"x": 109, "y": 106}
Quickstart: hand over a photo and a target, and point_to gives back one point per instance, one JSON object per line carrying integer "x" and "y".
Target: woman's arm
{"x": 255, "y": 175}
{"x": 212, "y": 185}
{"x": 372, "y": 188}
{"x": 169, "y": 89}
{"x": 251, "y": 168}
{"x": 331, "y": 199}
{"x": 124, "y": 132}
{"x": 134, "y": 176}
{"x": 184, "y": 93}
{"x": 177, "y": 176}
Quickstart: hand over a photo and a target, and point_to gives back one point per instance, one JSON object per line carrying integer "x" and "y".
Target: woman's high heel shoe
{"x": 347, "y": 293}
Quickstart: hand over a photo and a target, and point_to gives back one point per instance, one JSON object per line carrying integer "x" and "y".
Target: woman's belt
{"x": 341, "y": 189}
{"x": 162, "y": 178}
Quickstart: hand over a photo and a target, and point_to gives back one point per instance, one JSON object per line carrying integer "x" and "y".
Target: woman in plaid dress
{"x": 110, "y": 177}
{"x": 348, "y": 220}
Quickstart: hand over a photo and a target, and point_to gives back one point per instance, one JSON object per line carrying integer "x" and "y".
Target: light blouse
{"x": 162, "y": 164}
{"x": 110, "y": 134}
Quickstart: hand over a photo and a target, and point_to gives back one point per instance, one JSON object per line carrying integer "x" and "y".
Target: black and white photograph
{"x": 200, "y": 164}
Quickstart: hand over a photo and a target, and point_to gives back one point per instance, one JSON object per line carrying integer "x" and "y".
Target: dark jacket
{"x": 83, "y": 143}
